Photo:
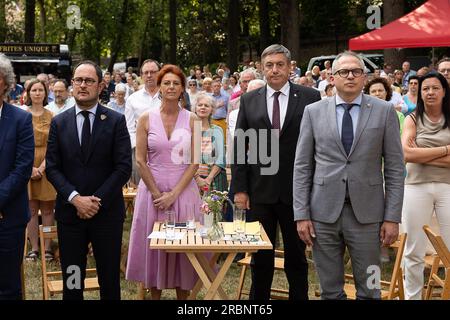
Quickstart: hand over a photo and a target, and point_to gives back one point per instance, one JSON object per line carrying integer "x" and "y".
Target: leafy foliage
{"x": 201, "y": 26}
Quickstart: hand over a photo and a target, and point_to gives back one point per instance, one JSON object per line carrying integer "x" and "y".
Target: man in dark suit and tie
{"x": 16, "y": 163}
{"x": 88, "y": 162}
{"x": 275, "y": 110}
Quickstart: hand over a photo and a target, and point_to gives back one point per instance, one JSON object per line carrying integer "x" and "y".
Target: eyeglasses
{"x": 358, "y": 72}
{"x": 87, "y": 81}
{"x": 444, "y": 70}
{"x": 192, "y": 84}
{"x": 150, "y": 73}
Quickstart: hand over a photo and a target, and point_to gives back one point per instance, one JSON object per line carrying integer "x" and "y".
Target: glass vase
{"x": 215, "y": 232}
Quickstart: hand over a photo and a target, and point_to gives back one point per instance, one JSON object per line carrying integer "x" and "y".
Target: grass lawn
{"x": 33, "y": 279}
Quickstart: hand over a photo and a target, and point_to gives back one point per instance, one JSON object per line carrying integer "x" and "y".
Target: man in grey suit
{"x": 347, "y": 144}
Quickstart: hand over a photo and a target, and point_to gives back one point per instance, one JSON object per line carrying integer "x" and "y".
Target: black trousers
{"x": 106, "y": 239}
{"x": 295, "y": 264}
{"x": 12, "y": 240}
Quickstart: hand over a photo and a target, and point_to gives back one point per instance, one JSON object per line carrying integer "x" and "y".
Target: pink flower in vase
{"x": 205, "y": 208}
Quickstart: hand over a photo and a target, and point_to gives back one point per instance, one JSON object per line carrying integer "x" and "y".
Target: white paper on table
{"x": 162, "y": 235}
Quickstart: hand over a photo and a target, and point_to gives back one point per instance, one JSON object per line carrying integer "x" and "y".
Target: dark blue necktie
{"x": 347, "y": 128}
{"x": 85, "y": 133}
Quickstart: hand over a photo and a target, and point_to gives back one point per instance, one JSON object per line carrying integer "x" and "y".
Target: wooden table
{"x": 194, "y": 246}
{"x": 129, "y": 194}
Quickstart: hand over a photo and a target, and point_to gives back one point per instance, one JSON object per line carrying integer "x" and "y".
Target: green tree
{"x": 173, "y": 31}
{"x": 233, "y": 34}
{"x": 2, "y": 20}
{"x": 290, "y": 26}
{"x": 264, "y": 24}
{"x": 392, "y": 10}
{"x": 30, "y": 7}
{"x": 118, "y": 41}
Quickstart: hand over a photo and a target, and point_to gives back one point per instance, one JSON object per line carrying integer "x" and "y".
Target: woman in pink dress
{"x": 164, "y": 140}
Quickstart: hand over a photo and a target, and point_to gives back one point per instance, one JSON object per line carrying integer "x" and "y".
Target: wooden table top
{"x": 129, "y": 193}
{"x": 193, "y": 242}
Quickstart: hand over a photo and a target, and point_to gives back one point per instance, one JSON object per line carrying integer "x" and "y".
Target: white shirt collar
{"x": 1, "y": 108}
{"x": 284, "y": 90}
{"x": 156, "y": 95}
{"x": 357, "y": 100}
{"x": 93, "y": 110}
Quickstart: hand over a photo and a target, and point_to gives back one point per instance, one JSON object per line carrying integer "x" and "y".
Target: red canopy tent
{"x": 427, "y": 26}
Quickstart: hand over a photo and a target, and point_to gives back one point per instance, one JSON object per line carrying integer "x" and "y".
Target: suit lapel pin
{"x": 295, "y": 95}
{"x": 103, "y": 116}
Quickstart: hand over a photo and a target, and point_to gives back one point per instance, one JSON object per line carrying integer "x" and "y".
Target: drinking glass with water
{"x": 239, "y": 222}
{"x": 170, "y": 224}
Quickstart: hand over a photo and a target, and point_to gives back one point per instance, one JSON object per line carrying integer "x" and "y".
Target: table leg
{"x": 206, "y": 274}
{"x": 199, "y": 269}
{"x": 198, "y": 286}
{"x": 215, "y": 288}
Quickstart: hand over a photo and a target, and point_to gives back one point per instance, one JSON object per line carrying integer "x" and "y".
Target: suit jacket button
{"x": 348, "y": 162}
{"x": 344, "y": 181}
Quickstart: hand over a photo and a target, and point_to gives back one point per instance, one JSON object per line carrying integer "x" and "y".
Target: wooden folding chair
{"x": 443, "y": 255}
{"x": 389, "y": 289}
{"x": 51, "y": 287}
{"x": 276, "y": 293}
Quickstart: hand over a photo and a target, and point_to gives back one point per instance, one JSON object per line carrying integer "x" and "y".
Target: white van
{"x": 371, "y": 61}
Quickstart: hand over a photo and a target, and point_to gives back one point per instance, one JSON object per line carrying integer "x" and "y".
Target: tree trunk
{"x": 118, "y": 40}
{"x": 264, "y": 24}
{"x": 144, "y": 37}
{"x": 233, "y": 34}
{"x": 392, "y": 10}
{"x": 2, "y": 20}
{"x": 43, "y": 22}
{"x": 290, "y": 26}
{"x": 173, "y": 31}
{"x": 30, "y": 6}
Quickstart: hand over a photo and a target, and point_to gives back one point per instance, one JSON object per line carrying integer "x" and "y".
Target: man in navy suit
{"x": 16, "y": 163}
{"x": 88, "y": 162}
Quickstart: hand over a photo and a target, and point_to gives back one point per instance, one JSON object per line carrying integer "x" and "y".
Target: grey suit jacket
{"x": 322, "y": 168}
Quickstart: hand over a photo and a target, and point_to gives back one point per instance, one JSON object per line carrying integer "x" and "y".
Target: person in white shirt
{"x": 232, "y": 117}
{"x": 62, "y": 100}
{"x": 141, "y": 101}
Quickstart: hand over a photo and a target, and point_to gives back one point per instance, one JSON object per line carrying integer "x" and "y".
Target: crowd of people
{"x": 343, "y": 139}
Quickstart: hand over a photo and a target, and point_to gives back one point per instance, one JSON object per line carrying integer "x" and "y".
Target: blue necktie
{"x": 347, "y": 128}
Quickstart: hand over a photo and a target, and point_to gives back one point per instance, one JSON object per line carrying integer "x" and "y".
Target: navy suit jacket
{"x": 16, "y": 164}
{"x": 104, "y": 172}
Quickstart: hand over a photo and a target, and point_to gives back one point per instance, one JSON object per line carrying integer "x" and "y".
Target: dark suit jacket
{"x": 247, "y": 177}
{"x": 103, "y": 174}
{"x": 16, "y": 164}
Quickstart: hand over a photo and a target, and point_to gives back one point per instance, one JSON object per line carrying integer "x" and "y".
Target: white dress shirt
{"x": 80, "y": 122}
{"x": 136, "y": 104}
{"x": 69, "y": 103}
{"x": 354, "y": 113}
{"x": 283, "y": 99}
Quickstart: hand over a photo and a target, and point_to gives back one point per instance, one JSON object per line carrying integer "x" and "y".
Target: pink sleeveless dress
{"x": 167, "y": 161}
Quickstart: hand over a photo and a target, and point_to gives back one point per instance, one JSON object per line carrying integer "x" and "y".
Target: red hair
{"x": 171, "y": 68}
